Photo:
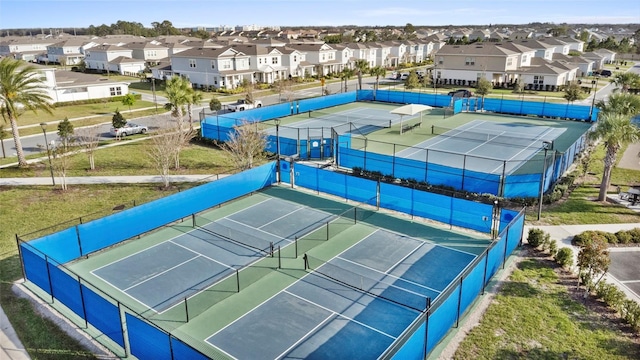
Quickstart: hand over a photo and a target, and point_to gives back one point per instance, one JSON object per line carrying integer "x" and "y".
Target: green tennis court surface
{"x": 285, "y": 274}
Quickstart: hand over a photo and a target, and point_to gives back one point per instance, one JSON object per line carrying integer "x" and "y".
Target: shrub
{"x": 624, "y": 237}
{"x": 553, "y": 247}
{"x": 631, "y": 314}
{"x": 586, "y": 237}
{"x": 536, "y": 237}
{"x": 564, "y": 257}
{"x": 611, "y": 295}
{"x": 635, "y": 235}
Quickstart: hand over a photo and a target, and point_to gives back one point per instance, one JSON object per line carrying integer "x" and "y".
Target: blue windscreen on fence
{"x": 472, "y": 284}
{"x": 104, "y": 232}
{"x": 471, "y": 215}
{"x": 66, "y": 289}
{"x": 103, "y": 315}
{"x": 334, "y": 183}
{"x": 514, "y": 234}
{"x": 147, "y": 341}
{"x": 325, "y": 102}
{"x": 406, "y": 97}
{"x": 495, "y": 258}
{"x": 184, "y": 351}
{"x": 517, "y": 107}
{"x": 441, "y": 320}
{"x": 35, "y": 267}
{"x": 413, "y": 349}
{"x": 62, "y": 246}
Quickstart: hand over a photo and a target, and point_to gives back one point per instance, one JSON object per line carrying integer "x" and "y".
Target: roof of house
{"x": 483, "y": 49}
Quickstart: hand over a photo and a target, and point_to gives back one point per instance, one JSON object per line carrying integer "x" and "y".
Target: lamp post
{"x": 546, "y": 145}
{"x": 594, "y": 87}
{"x": 496, "y": 220}
{"x": 46, "y": 142}
{"x": 277, "y": 121}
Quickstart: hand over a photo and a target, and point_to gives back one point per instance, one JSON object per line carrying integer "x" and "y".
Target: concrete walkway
{"x": 10, "y": 346}
{"x": 107, "y": 180}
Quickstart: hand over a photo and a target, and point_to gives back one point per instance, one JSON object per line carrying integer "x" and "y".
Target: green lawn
{"x": 534, "y": 317}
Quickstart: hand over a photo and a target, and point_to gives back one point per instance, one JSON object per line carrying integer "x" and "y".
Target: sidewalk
{"x": 10, "y": 346}
{"x": 107, "y": 179}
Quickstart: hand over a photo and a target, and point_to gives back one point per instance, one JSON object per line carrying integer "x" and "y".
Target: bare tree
{"x": 89, "y": 138}
{"x": 62, "y": 160}
{"x": 285, "y": 91}
{"x": 165, "y": 144}
{"x": 246, "y": 145}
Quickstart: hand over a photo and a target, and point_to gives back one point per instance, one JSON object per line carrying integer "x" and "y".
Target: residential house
{"x": 597, "y": 58}
{"x": 294, "y": 61}
{"x": 25, "y": 48}
{"x": 70, "y": 51}
{"x": 547, "y": 75}
{"x": 585, "y": 66}
{"x": 416, "y": 51}
{"x": 608, "y": 55}
{"x": 322, "y": 56}
{"x": 223, "y": 67}
{"x": 112, "y": 58}
{"x": 148, "y": 51}
{"x": 345, "y": 54}
{"x": 65, "y": 86}
{"x": 543, "y": 49}
{"x": 266, "y": 62}
{"x": 465, "y": 64}
{"x": 366, "y": 52}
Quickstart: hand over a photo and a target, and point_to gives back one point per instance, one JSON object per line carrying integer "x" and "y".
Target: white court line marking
{"x": 205, "y": 256}
{"x": 444, "y": 138}
{"x": 386, "y": 274}
{"x": 427, "y": 241}
{"x": 277, "y": 238}
{"x": 526, "y": 150}
{"x": 160, "y": 273}
{"x": 328, "y": 319}
{"x": 280, "y": 218}
{"x": 339, "y": 314}
{"x": 630, "y": 281}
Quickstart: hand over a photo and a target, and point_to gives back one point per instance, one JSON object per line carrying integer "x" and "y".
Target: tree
{"x": 284, "y": 88}
{"x": 177, "y": 90}
{"x": 128, "y": 100}
{"x": 593, "y": 261}
{"x": 345, "y": 75}
{"x": 483, "y": 88}
{"x": 361, "y": 66}
{"x": 179, "y": 93}
{"x": 620, "y": 103}
{"x": 573, "y": 92}
{"x": 89, "y": 139}
{"x": 246, "y": 145}
{"x": 163, "y": 149}
{"x": 625, "y": 81}
{"x": 63, "y": 62}
{"x": 412, "y": 81}
{"x": 377, "y": 71}
{"x": 616, "y": 131}
{"x": 61, "y": 161}
{"x": 248, "y": 87}
{"x": 195, "y": 97}
{"x": 117, "y": 120}
{"x": 215, "y": 104}
{"x": 65, "y": 131}
{"x": 21, "y": 88}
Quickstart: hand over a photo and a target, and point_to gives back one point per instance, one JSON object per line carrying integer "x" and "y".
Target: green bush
{"x": 631, "y": 314}
{"x": 564, "y": 257}
{"x": 586, "y": 236}
{"x": 611, "y": 295}
{"x": 536, "y": 237}
{"x": 624, "y": 237}
{"x": 117, "y": 99}
{"x": 553, "y": 248}
{"x": 635, "y": 235}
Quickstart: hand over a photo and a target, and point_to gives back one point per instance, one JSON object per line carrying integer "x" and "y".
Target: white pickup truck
{"x": 242, "y": 105}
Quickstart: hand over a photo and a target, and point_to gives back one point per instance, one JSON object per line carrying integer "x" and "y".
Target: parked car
{"x": 404, "y": 76}
{"x": 460, "y": 93}
{"x": 129, "y": 129}
{"x": 605, "y": 73}
{"x": 242, "y": 105}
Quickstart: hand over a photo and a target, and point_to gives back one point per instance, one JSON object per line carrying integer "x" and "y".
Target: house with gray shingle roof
{"x": 112, "y": 58}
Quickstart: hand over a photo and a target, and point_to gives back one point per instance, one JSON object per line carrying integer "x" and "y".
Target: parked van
{"x": 404, "y": 76}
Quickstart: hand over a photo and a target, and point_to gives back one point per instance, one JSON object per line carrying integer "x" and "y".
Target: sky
{"x": 15, "y": 14}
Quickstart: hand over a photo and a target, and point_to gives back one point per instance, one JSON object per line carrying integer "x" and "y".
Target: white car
{"x": 129, "y": 129}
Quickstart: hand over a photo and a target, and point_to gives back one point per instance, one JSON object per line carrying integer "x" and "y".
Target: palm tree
{"x": 620, "y": 103}
{"x": 178, "y": 90}
{"x": 616, "y": 131}
{"x": 361, "y": 66}
{"x": 626, "y": 80}
{"x": 195, "y": 97}
{"x": 377, "y": 71}
{"x": 345, "y": 75}
{"x": 21, "y": 88}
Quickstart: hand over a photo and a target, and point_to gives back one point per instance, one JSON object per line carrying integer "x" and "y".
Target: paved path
{"x": 106, "y": 179}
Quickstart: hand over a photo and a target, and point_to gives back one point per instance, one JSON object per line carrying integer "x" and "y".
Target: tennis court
{"x": 165, "y": 274}
{"x": 358, "y": 120}
{"x": 353, "y": 306}
{"x": 492, "y": 144}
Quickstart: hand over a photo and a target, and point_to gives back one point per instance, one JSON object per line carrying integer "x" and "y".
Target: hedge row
{"x": 621, "y": 237}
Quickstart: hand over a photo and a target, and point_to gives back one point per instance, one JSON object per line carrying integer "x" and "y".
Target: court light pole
{"x": 277, "y": 121}
{"x": 594, "y": 88}
{"x": 546, "y": 145}
{"x": 46, "y": 142}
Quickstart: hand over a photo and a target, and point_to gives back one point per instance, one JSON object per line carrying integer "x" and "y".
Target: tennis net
{"x": 379, "y": 288}
{"x": 510, "y": 139}
{"x": 233, "y": 235}
{"x": 355, "y": 118}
